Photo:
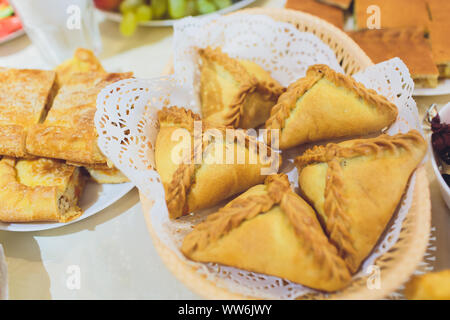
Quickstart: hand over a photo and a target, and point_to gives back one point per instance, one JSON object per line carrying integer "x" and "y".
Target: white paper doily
{"x": 127, "y": 126}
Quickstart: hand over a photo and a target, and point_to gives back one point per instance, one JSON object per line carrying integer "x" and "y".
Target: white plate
{"x": 115, "y": 16}
{"x": 95, "y": 198}
{"x": 443, "y": 88}
{"x": 13, "y": 35}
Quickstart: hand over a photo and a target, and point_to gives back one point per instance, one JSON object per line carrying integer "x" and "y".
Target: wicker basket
{"x": 399, "y": 262}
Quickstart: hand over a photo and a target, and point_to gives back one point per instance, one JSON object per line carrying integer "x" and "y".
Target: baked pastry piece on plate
{"x": 326, "y": 105}
{"x": 329, "y": 13}
{"x": 107, "y": 175}
{"x": 69, "y": 132}
{"x": 343, "y": 4}
{"x": 430, "y": 286}
{"x": 409, "y": 44}
{"x": 355, "y": 187}
{"x": 440, "y": 45}
{"x": 393, "y": 13}
{"x": 269, "y": 229}
{"x": 200, "y": 172}
{"x": 83, "y": 60}
{"x": 39, "y": 190}
{"x": 233, "y": 92}
{"x": 25, "y": 96}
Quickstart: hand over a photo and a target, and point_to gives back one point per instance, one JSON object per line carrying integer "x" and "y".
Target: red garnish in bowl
{"x": 441, "y": 139}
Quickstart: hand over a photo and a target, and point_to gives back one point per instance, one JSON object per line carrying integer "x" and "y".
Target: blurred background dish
{"x": 10, "y": 25}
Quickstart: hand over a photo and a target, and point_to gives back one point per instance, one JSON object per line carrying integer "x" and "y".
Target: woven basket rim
{"x": 403, "y": 262}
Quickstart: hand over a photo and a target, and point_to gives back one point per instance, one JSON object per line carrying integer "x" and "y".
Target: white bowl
{"x": 445, "y": 189}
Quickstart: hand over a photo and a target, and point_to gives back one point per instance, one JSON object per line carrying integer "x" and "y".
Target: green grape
{"x": 177, "y": 9}
{"x": 159, "y": 8}
{"x": 144, "y": 13}
{"x": 128, "y": 24}
{"x": 205, "y": 6}
{"x": 130, "y": 5}
{"x": 222, "y": 3}
{"x": 191, "y": 8}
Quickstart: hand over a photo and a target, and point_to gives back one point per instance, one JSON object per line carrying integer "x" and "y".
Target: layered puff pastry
{"x": 328, "y": 105}
{"x": 233, "y": 92}
{"x": 194, "y": 170}
{"x": 39, "y": 190}
{"x": 430, "y": 286}
{"x": 271, "y": 230}
{"x": 68, "y": 131}
{"x": 25, "y": 97}
{"x": 355, "y": 187}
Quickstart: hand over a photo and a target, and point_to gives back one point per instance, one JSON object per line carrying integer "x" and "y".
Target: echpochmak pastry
{"x": 233, "y": 92}
{"x": 331, "y": 14}
{"x": 393, "y": 14}
{"x": 271, "y": 230}
{"x": 202, "y": 176}
{"x": 409, "y": 44}
{"x": 343, "y": 4}
{"x": 69, "y": 132}
{"x": 355, "y": 187}
{"x": 326, "y": 105}
{"x": 430, "y": 286}
{"x": 25, "y": 96}
{"x": 39, "y": 190}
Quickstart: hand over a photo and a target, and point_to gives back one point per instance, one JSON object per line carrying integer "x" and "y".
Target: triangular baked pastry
{"x": 327, "y": 105}
{"x": 39, "y": 190}
{"x": 198, "y": 173}
{"x": 355, "y": 187}
{"x": 233, "y": 92}
{"x": 271, "y": 230}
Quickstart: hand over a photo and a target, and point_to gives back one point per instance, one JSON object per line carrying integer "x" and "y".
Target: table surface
{"x": 112, "y": 251}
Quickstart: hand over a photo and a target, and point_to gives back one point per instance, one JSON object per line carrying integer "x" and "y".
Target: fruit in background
{"x": 191, "y": 8}
{"x": 177, "y": 9}
{"x": 9, "y": 25}
{"x": 222, "y": 3}
{"x": 109, "y": 5}
{"x": 5, "y": 10}
{"x": 205, "y": 6}
{"x": 159, "y": 8}
{"x": 129, "y": 23}
{"x": 130, "y": 5}
{"x": 144, "y": 13}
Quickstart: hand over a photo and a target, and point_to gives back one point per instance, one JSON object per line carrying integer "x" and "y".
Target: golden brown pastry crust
{"x": 25, "y": 96}
{"x": 394, "y": 14}
{"x": 339, "y": 223}
{"x": 267, "y": 89}
{"x": 343, "y": 4}
{"x": 441, "y": 46}
{"x": 409, "y": 44}
{"x": 329, "y": 13}
{"x": 244, "y": 208}
{"x": 185, "y": 175}
{"x": 69, "y": 132}
{"x": 39, "y": 190}
{"x": 430, "y": 286}
{"x": 287, "y": 101}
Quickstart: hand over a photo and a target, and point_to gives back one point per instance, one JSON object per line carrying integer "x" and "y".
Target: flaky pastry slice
{"x": 328, "y": 105}
{"x": 69, "y": 131}
{"x": 199, "y": 172}
{"x": 269, "y": 229}
{"x": 329, "y": 13}
{"x": 429, "y": 286}
{"x": 355, "y": 187}
{"x": 25, "y": 97}
{"x": 234, "y": 92}
{"x": 39, "y": 190}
